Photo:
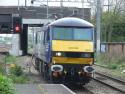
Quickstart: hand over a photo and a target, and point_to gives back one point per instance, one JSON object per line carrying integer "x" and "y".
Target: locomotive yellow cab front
{"x": 72, "y": 46}
{"x": 72, "y": 52}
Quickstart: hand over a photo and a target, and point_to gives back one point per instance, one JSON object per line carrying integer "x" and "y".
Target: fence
{"x": 113, "y": 48}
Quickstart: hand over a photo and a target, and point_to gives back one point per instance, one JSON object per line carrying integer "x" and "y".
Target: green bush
{"x": 17, "y": 70}
{"x": 17, "y": 75}
{"x": 102, "y": 59}
{"x": 6, "y": 85}
{"x": 112, "y": 66}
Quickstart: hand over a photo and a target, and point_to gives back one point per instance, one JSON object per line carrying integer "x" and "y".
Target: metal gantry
{"x": 78, "y": 1}
{"x": 82, "y": 3}
{"x": 62, "y": 4}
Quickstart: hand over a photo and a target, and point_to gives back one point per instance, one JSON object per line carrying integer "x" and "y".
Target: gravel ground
{"x": 93, "y": 87}
{"x": 98, "y": 88}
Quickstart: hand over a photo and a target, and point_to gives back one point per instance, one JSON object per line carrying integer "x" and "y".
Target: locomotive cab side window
{"x": 47, "y": 36}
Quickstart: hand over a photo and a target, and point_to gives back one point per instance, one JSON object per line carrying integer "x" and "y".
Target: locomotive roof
{"x": 71, "y": 21}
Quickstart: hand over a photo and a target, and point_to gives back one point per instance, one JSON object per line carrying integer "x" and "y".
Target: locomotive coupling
{"x": 57, "y": 68}
{"x": 88, "y": 69}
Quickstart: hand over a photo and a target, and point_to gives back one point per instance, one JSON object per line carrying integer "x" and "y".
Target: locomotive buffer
{"x": 43, "y": 89}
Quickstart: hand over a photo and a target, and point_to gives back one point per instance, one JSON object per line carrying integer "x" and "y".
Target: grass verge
{"x": 114, "y": 64}
{"x": 17, "y": 75}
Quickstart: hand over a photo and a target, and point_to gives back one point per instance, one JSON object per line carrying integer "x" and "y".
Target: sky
{"x": 13, "y": 2}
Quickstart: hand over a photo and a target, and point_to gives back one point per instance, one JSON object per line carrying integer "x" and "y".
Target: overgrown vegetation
{"x": 6, "y": 85}
{"x": 17, "y": 71}
{"x": 19, "y": 79}
{"x": 2, "y": 64}
{"x": 117, "y": 63}
{"x": 17, "y": 75}
{"x": 10, "y": 59}
{"x": 1, "y": 69}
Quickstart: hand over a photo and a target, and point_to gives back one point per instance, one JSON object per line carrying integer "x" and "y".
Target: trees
{"x": 112, "y": 20}
{"x": 112, "y": 24}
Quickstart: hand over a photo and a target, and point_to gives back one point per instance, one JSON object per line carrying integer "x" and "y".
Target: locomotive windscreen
{"x": 67, "y": 33}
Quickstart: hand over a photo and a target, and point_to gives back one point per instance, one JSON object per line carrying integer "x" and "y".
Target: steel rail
{"x": 110, "y": 77}
{"x": 109, "y": 81}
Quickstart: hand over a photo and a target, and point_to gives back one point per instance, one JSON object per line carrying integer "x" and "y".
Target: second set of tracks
{"x": 110, "y": 81}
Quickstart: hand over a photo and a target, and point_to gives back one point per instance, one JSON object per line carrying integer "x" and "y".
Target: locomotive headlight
{"x": 57, "y": 68}
{"x": 58, "y": 54}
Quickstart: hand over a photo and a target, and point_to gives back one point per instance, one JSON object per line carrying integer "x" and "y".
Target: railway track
{"x": 85, "y": 91}
{"x": 114, "y": 83}
{"x": 79, "y": 89}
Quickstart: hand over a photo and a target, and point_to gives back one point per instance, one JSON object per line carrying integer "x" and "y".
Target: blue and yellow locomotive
{"x": 65, "y": 51}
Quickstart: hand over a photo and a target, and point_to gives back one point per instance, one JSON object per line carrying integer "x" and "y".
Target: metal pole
{"x": 98, "y": 21}
{"x": 61, "y": 6}
{"x": 18, "y": 4}
{"x": 83, "y": 8}
{"x": 47, "y": 10}
{"x": 33, "y": 37}
{"x": 108, "y": 6}
{"x": 25, "y": 3}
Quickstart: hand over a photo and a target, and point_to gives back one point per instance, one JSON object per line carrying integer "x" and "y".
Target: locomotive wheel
{"x": 42, "y": 69}
{"x": 45, "y": 72}
{"x": 50, "y": 78}
{"x": 44, "y": 75}
{"x": 36, "y": 64}
{"x": 54, "y": 79}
